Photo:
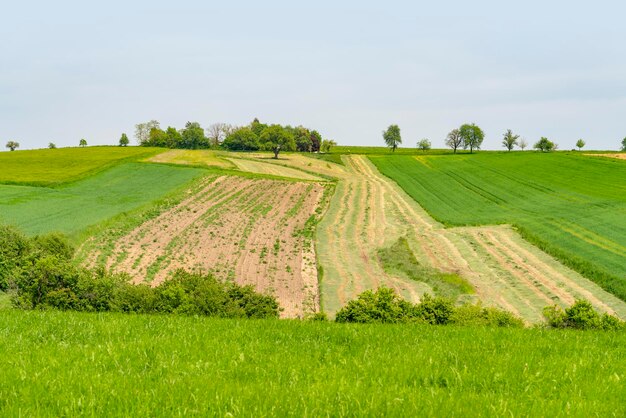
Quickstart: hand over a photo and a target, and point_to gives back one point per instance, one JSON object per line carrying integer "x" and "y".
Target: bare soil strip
{"x": 247, "y": 230}
{"x": 370, "y": 211}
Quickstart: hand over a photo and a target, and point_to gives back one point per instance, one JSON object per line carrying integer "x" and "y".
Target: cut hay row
{"x": 262, "y": 167}
{"x": 248, "y": 230}
{"x": 370, "y": 211}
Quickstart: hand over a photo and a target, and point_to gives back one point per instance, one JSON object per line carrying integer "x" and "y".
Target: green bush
{"x": 385, "y": 306}
{"x": 581, "y": 315}
{"x": 382, "y": 306}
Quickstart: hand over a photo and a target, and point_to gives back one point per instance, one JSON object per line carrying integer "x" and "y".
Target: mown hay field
{"x": 571, "y": 206}
{"x": 48, "y": 167}
{"x": 73, "y": 364}
{"x": 373, "y": 227}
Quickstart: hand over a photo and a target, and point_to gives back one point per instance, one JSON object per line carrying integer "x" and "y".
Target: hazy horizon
{"x": 72, "y": 70}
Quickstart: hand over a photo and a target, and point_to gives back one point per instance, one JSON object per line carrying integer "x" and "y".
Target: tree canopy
{"x": 580, "y": 144}
{"x": 472, "y": 136}
{"x": 392, "y": 137}
{"x": 544, "y": 145}
{"x": 424, "y": 144}
{"x": 124, "y": 141}
{"x": 12, "y": 145}
{"x": 509, "y": 140}
{"x": 83, "y": 142}
{"x": 454, "y": 139}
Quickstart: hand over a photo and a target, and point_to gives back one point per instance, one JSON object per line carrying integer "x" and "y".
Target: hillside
{"x": 573, "y": 206}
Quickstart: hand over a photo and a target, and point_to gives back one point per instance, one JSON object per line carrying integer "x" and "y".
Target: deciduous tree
{"x": 624, "y": 144}
{"x": 327, "y": 144}
{"x": 580, "y": 144}
{"x": 454, "y": 139}
{"x": 544, "y": 145}
{"x": 523, "y": 144}
{"x": 193, "y": 136}
{"x": 142, "y": 131}
{"x": 509, "y": 140}
{"x": 275, "y": 138}
{"x": 124, "y": 141}
{"x": 52, "y": 145}
{"x": 12, "y": 145}
{"x": 472, "y": 136}
{"x": 392, "y": 137}
{"x": 216, "y": 134}
{"x": 423, "y": 144}
{"x": 83, "y": 142}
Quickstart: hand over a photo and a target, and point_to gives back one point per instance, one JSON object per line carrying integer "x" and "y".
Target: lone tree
{"x": 12, "y": 145}
{"x": 52, "y": 145}
{"x": 544, "y": 145}
{"x": 83, "y": 142}
{"x": 580, "y": 144}
{"x": 472, "y": 136}
{"x": 124, "y": 141}
{"x": 392, "y": 137}
{"x": 624, "y": 144}
{"x": 423, "y": 144}
{"x": 509, "y": 141}
{"x": 523, "y": 144}
{"x": 454, "y": 140}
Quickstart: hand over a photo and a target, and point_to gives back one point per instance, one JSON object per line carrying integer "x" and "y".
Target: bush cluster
{"x": 385, "y": 306}
{"x": 41, "y": 274}
{"x": 581, "y": 315}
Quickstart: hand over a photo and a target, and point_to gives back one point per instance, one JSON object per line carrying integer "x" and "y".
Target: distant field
{"x": 71, "y": 364}
{"x": 76, "y": 206}
{"x": 572, "y": 206}
{"x": 192, "y": 157}
{"x": 348, "y": 149}
{"x": 54, "y": 166}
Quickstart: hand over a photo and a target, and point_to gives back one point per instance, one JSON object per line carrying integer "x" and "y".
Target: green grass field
{"x": 76, "y": 206}
{"x": 70, "y": 364}
{"x": 49, "y": 167}
{"x": 574, "y": 207}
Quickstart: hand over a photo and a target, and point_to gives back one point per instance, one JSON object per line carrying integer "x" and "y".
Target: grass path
{"x": 369, "y": 212}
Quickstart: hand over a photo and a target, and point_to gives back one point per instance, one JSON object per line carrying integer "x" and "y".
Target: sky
{"x": 72, "y": 70}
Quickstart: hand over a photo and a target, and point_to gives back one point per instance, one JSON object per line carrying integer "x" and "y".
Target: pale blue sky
{"x": 71, "y": 69}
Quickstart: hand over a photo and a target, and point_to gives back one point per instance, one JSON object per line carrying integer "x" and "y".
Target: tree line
{"x": 252, "y": 137}
{"x": 470, "y": 136}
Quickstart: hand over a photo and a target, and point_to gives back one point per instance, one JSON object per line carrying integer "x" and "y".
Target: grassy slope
{"x": 76, "y": 206}
{"x": 572, "y": 206}
{"x": 70, "y": 364}
{"x": 52, "y": 167}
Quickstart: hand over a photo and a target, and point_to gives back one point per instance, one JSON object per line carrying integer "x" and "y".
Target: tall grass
{"x": 70, "y": 364}
{"x": 572, "y": 206}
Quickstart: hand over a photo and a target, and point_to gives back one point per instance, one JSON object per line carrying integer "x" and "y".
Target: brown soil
{"x": 247, "y": 230}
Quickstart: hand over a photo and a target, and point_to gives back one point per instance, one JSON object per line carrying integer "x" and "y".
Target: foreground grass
{"x": 74, "y": 207}
{"x": 571, "y": 206}
{"x": 48, "y": 167}
{"x": 68, "y": 364}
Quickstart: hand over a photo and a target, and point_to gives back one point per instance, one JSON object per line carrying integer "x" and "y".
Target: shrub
{"x": 581, "y": 315}
{"x": 382, "y": 306}
{"x": 385, "y": 306}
